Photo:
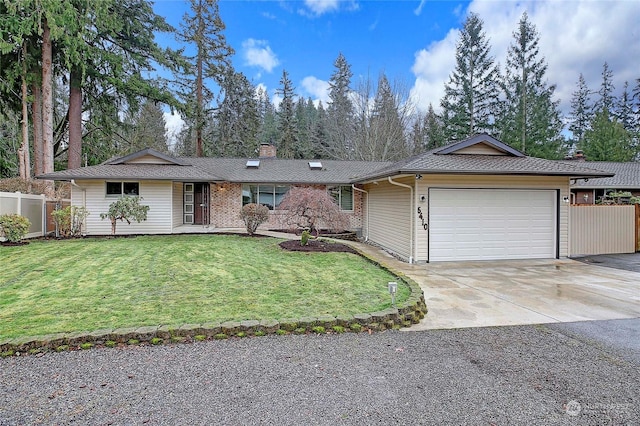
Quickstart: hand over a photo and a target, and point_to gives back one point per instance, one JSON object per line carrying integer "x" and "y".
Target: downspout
{"x": 412, "y": 245}
{"x": 366, "y": 238}
{"x": 84, "y": 201}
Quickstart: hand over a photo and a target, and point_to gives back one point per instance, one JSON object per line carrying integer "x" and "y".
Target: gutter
{"x": 366, "y": 237}
{"x": 412, "y": 254}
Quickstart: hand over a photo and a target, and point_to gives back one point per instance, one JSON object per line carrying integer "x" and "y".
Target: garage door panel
{"x": 488, "y": 224}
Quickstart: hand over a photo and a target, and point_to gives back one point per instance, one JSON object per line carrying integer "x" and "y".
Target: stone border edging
{"x": 405, "y": 314}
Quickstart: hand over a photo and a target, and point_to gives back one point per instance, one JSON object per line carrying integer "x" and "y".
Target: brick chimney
{"x": 267, "y": 151}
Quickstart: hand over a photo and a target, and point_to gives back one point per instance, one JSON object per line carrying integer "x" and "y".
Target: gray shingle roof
{"x": 433, "y": 163}
{"x": 627, "y": 175}
{"x": 271, "y": 170}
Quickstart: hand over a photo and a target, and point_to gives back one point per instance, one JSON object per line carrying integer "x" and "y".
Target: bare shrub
{"x": 253, "y": 216}
{"x": 313, "y": 209}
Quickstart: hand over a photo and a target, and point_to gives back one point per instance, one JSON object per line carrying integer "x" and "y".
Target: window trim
{"x": 276, "y": 196}
{"x": 338, "y": 193}
{"x": 121, "y": 193}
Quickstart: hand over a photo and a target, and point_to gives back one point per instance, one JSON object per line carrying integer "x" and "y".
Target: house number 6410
{"x": 425, "y": 225}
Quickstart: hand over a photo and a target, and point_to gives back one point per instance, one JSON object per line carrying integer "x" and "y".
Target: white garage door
{"x": 489, "y": 224}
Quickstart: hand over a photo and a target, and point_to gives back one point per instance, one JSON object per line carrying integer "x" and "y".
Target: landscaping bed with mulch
{"x": 322, "y": 246}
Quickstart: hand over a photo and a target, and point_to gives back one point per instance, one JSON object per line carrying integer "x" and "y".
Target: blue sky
{"x": 413, "y": 42}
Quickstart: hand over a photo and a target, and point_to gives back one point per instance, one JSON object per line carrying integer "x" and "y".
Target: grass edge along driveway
{"x": 90, "y": 284}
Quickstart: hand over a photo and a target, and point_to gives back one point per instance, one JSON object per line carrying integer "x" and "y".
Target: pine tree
{"x": 147, "y": 129}
{"x": 530, "y": 118}
{"x": 205, "y": 29}
{"x": 470, "y": 95}
{"x": 387, "y": 142}
{"x": 581, "y": 111}
{"x": 340, "y": 112}
{"x": 268, "y": 132}
{"x": 607, "y": 100}
{"x": 607, "y": 140}
{"x": 287, "y": 127}
{"x": 623, "y": 110}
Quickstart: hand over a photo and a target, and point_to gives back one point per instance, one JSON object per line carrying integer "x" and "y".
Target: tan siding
{"x": 491, "y": 181}
{"x": 390, "y": 217}
{"x": 602, "y": 230}
{"x": 480, "y": 149}
{"x": 156, "y": 194}
{"x": 177, "y": 204}
{"x": 148, "y": 159}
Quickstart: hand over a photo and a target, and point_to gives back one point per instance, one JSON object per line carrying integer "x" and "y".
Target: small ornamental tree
{"x": 125, "y": 208}
{"x": 253, "y": 216}
{"x": 311, "y": 208}
{"x": 69, "y": 220}
{"x": 14, "y": 227}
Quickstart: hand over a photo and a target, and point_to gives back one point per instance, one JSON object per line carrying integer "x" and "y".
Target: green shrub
{"x": 220, "y": 336}
{"x": 86, "y": 345}
{"x": 259, "y": 333}
{"x": 62, "y": 348}
{"x": 281, "y": 332}
{"x": 177, "y": 339}
{"x": 241, "y": 334}
{"x": 110, "y": 343}
{"x": 14, "y": 227}
{"x": 125, "y": 208}
{"x": 200, "y": 337}
{"x": 318, "y": 329}
{"x": 70, "y": 220}
{"x": 300, "y": 330}
{"x": 304, "y": 238}
{"x": 133, "y": 341}
{"x": 6, "y": 354}
{"x": 355, "y": 327}
{"x": 156, "y": 341}
{"x": 338, "y": 329}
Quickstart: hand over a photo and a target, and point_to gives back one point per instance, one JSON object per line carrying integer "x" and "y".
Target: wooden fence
{"x": 602, "y": 229}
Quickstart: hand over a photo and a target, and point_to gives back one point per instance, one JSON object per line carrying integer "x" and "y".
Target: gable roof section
{"x": 627, "y": 175}
{"x": 500, "y": 148}
{"x": 150, "y": 155}
{"x": 446, "y": 160}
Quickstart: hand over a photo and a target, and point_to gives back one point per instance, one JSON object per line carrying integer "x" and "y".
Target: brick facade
{"x": 226, "y": 203}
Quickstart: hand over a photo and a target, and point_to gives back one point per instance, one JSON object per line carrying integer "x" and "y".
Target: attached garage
{"x": 489, "y": 224}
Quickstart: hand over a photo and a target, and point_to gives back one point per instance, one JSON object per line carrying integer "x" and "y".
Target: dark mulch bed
{"x": 321, "y": 246}
{"x": 14, "y": 244}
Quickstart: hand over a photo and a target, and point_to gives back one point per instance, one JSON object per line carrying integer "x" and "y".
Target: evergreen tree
{"x": 147, "y": 129}
{"x": 205, "y": 29}
{"x": 268, "y": 132}
{"x": 470, "y": 95}
{"x": 427, "y": 132}
{"x": 340, "y": 112}
{"x": 287, "y": 126}
{"x": 387, "y": 126}
{"x": 319, "y": 137}
{"x": 581, "y": 111}
{"x": 623, "y": 110}
{"x": 236, "y": 120}
{"x": 607, "y": 100}
{"x": 530, "y": 118}
{"x": 607, "y": 140}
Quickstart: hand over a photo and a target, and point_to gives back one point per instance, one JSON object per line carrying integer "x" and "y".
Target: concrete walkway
{"x": 498, "y": 293}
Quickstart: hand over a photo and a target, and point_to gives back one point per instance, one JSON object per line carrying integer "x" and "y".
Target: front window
{"x": 343, "y": 195}
{"x": 268, "y": 195}
{"x": 116, "y": 189}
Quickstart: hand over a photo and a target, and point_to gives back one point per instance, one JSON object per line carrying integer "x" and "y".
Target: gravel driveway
{"x": 507, "y": 375}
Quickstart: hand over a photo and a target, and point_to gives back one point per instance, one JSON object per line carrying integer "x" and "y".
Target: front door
{"x": 201, "y": 204}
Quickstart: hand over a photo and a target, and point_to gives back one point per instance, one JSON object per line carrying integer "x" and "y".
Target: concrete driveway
{"x": 478, "y": 294}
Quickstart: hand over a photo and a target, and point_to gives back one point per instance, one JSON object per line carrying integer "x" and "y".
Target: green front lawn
{"x": 92, "y": 284}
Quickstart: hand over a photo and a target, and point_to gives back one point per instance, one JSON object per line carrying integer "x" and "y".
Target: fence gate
{"x": 597, "y": 229}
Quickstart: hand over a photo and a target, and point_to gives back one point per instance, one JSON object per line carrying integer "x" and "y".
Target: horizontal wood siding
{"x": 602, "y": 229}
{"x": 390, "y": 217}
{"x": 156, "y": 194}
{"x": 177, "y": 204}
{"x": 491, "y": 181}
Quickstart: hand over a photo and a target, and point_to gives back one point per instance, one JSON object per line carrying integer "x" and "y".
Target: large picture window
{"x": 268, "y": 195}
{"x": 116, "y": 189}
{"x": 343, "y": 195}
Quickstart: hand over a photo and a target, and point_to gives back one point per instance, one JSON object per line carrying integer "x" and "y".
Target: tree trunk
{"x": 36, "y": 111}
{"x": 74, "y": 153}
{"x": 47, "y": 108}
{"x": 23, "y": 151}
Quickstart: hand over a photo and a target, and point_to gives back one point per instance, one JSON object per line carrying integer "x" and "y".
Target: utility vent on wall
{"x": 253, "y": 164}
{"x": 315, "y": 165}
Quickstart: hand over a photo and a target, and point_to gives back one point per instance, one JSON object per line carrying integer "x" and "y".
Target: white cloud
{"x": 318, "y": 89}
{"x": 320, "y": 7}
{"x": 575, "y": 37}
{"x": 258, "y": 53}
{"x": 418, "y": 10}
{"x": 173, "y": 123}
